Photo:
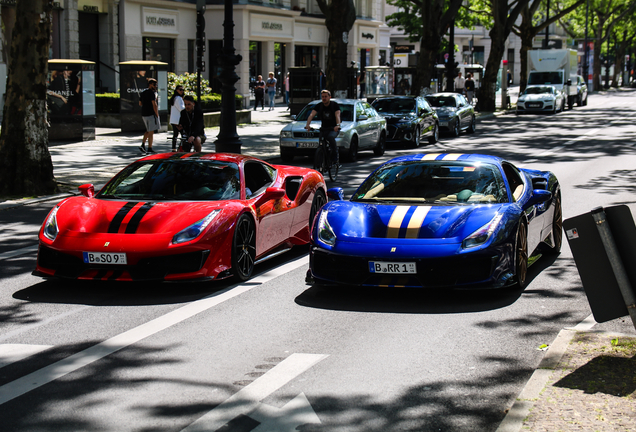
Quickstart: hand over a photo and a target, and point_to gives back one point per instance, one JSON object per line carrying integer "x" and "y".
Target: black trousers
{"x": 260, "y": 97}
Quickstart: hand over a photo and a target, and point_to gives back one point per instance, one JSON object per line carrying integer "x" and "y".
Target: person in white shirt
{"x": 459, "y": 83}
{"x": 176, "y": 106}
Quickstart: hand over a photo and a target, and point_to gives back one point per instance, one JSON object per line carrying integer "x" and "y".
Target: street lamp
{"x": 228, "y": 140}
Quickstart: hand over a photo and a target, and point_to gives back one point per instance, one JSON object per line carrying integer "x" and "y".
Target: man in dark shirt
{"x": 191, "y": 125}
{"x": 149, "y": 114}
{"x": 328, "y": 112}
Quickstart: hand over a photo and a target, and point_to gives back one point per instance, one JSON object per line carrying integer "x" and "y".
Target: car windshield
{"x": 555, "y": 77}
{"x": 539, "y": 90}
{"x": 346, "y": 112}
{"x": 441, "y": 101}
{"x": 170, "y": 180}
{"x": 438, "y": 182}
{"x": 394, "y": 106}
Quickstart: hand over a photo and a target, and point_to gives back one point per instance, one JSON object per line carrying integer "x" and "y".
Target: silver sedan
{"x": 361, "y": 128}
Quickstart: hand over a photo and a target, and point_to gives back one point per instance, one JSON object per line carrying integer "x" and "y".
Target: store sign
{"x": 272, "y": 26}
{"x": 159, "y": 21}
{"x": 90, "y": 6}
{"x": 268, "y": 26}
{"x": 400, "y": 60}
{"x": 368, "y": 36}
{"x": 404, "y": 49}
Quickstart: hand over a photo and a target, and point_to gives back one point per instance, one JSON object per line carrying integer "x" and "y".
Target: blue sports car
{"x": 438, "y": 220}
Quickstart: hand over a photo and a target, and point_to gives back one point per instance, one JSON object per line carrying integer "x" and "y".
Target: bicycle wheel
{"x": 319, "y": 159}
{"x": 332, "y": 168}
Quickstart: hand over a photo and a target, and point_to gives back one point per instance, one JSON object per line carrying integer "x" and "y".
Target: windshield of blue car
{"x": 434, "y": 182}
{"x": 538, "y": 90}
{"x": 346, "y": 112}
{"x": 394, "y": 106}
{"x": 175, "y": 180}
{"x": 441, "y": 101}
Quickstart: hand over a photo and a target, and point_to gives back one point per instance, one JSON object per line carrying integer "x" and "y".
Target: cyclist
{"x": 329, "y": 114}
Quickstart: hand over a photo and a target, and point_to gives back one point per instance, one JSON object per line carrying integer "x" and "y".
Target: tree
{"x": 26, "y": 168}
{"x": 531, "y": 25}
{"x": 426, "y": 21}
{"x": 340, "y": 15}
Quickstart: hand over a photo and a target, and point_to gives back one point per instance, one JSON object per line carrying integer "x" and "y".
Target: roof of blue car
{"x": 466, "y": 157}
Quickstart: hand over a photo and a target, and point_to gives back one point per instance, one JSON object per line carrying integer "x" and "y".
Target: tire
{"x": 472, "y": 127}
{"x": 316, "y": 204}
{"x": 456, "y": 128}
{"x": 521, "y": 256}
{"x": 381, "y": 146}
{"x": 435, "y": 136}
{"x": 352, "y": 154}
{"x": 557, "y": 226}
{"x": 585, "y": 101}
{"x": 333, "y": 168}
{"x": 318, "y": 159}
{"x": 244, "y": 248}
{"x": 416, "y": 138}
{"x": 570, "y": 102}
{"x": 286, "y": 155}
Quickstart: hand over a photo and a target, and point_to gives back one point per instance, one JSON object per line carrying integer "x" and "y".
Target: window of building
{"x": 255, "y": 59}
{"x": 160, "y": 49}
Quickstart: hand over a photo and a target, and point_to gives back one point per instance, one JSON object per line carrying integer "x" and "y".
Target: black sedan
{"x": 408, "y": 119}
{"x": 454, "y": 112}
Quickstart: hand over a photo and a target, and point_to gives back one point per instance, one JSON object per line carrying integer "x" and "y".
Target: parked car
{"x": 454, "y": 112}
{"x": 362, "y": 128}
{"x": 439, "y": 220}
{"x": 408, "y": 118}
{"x": 581, "y": 91}
{"x": 181, "y": 216}
{"x": 540, "y": 98}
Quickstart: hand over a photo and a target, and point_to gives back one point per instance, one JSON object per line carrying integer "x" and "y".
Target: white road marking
{"x": 11, "y": 353}
{"x": 586, "y": 324}
{"x": 70, "y": 364}
{"x": 18, "y": 252}
{"x": 295, "y": 413}
{"x": 248, "y": 399}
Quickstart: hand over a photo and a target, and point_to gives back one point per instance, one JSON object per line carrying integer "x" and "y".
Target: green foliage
{"x": 107, "y": 103}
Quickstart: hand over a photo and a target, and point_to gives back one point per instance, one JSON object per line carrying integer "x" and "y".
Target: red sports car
{"x": 177, "y": 216}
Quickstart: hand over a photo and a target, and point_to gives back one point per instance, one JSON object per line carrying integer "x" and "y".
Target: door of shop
{"x": 89, "y": 43}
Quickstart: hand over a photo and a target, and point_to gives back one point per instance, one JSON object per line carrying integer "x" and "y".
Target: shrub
{"x": 107, "y": 103}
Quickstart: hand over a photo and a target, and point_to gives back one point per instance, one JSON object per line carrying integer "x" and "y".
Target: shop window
{"x": 160, "y": 49}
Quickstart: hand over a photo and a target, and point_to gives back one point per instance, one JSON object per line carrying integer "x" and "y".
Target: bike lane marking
{"x": 78, "y": 360}
{"x": 248, "y": 399}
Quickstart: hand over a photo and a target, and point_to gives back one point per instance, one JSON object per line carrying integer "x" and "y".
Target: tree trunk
{"x": 487, "y": 91}
{"x": 526, "y": 36}
{"x": 432, "y": 31}
{"x": 340, "y": 15}
{"x": 26, "y": 168}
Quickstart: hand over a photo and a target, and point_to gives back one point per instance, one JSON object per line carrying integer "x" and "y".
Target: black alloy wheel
{"x": 381, "y": 146}
{"x": 352, "y": 155}
{"x": 456, "y": 127}
{"x": 521, "y": 256}
{"x": 316, "y": 204}
{"x": 557, "y": 226}
{"x": 416, "y": 137}
{"x": 435, "y": 136}
{"x": 244, "y": 248}
{"x": 472, "y": 127}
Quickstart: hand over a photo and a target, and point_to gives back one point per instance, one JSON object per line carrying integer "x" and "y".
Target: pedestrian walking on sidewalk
{"x": 176, "y": 106}
{"x": 469, "y": 85}
{"x": 149, "y": 114}
{"x": 191, "y": 124}
{"x": 286, "y": 82}
{"x": 271, "y": 90}
{"x": 259, "y": 92}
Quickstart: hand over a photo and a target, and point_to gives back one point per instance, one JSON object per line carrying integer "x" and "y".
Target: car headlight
{"x": 194, "y": 230}
{"x": 50, "y": 226}
{"x": 325, "y": 232}
{"x": 483, "y": 234}
{"x": 286, "y": 134}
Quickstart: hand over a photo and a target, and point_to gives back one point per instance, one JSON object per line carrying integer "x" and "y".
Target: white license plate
{"x": 392, "y": 267}
{"x": 534, "y": 105}
{"x": 306, "y": 145}
{"x": 443, "y": 123}
{"x": 105, "y": 258}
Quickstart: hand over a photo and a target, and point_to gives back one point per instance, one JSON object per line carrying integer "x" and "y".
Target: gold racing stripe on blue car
{"x": 413, "y": 229}
{"x": 393, "y": 228}
{"x": 430, "y": 156}
{"x": 452, "y": 156}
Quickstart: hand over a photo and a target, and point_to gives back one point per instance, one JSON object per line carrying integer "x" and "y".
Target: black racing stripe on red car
{"x": 100, "y": 274}
{"x": 113, "y": 228}
{"x": 134, "y": 222}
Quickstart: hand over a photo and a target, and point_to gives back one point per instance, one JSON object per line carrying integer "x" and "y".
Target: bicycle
{"x": 183, "y": 146}
{"x": 322, "y": 157}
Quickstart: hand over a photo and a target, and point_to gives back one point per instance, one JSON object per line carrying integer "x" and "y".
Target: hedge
{"x": 108, "y": 103}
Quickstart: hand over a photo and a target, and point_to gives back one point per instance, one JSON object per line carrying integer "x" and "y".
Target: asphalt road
{"x": 273, "y": 354}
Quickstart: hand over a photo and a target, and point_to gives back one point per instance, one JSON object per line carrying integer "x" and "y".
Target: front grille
{"x": 445, "y": 272}
{"x": 306, "y": 134}
{"x": 69, "y": 266}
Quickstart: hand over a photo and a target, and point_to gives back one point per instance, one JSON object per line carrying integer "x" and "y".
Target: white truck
{"x": 555, "y": 67}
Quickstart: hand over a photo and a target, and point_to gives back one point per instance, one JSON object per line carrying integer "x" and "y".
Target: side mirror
{"x": 293, "y": 117}
{"x": 335, "y": 194}
{"x": 362, "y": 118}
{"x": 88, "y": 190}
{"x": 271, "y": 193}
{"x": 539, "y": 196}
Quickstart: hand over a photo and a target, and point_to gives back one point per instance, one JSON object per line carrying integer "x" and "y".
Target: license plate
{"x": 392, "y": 267}
{"x": 306, "y": 145}
{"x": 105, "y": 258}
{"x": 443, "y": 123}
{"x": 534, "y": 105}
